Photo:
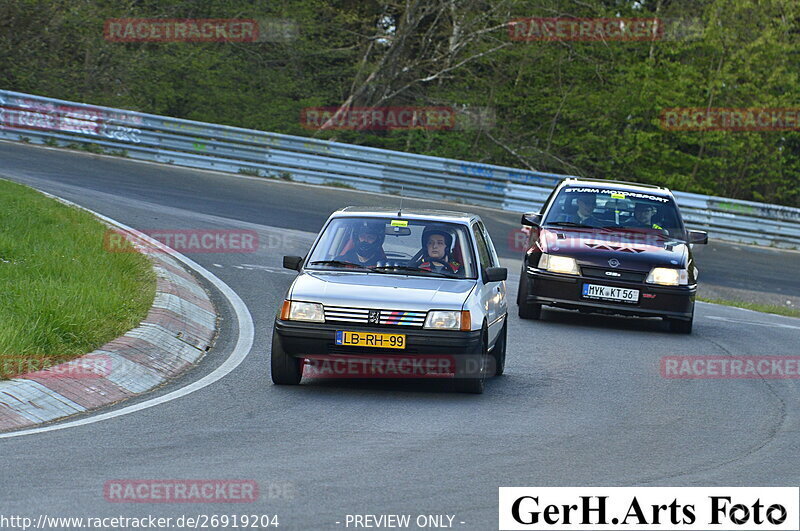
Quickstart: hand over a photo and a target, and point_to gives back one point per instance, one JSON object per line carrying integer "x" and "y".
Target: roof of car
{"x": 622, "y": 185}
{"x": 432, "y": 215}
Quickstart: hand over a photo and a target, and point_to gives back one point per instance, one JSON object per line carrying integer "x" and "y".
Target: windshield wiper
{"x": 570, "y": 224}
{"x": 337, "y": 263}
{"x": 639, "y": 230}
{"x": 412, "y": 268}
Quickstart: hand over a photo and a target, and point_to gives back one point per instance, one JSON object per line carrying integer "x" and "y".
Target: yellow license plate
{"x": 369, "y": 339}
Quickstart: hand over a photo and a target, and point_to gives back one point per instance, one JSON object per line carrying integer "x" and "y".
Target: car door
{"x": 490, "y": 290}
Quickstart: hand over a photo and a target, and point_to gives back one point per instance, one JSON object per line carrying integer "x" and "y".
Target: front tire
{"x": 525, "y": 310}
{"x": 680, "y": 326}
{"x": 499, "y": 350}
{"x": 286, "y": 370}
{"x": 475, "y": 385}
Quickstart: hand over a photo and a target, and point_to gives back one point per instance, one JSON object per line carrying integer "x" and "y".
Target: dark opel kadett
{"x": 610, "y": 247}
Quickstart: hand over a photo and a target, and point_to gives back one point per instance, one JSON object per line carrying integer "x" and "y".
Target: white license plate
{"x": 593, "y": 291}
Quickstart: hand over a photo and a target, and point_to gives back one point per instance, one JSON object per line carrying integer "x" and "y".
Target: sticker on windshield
{"x": 618, "y": 194}
{"x": 399, "y": 223}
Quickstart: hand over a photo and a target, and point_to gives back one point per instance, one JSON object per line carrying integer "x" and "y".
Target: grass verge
{"x": 62, "y": 293}
{"x": 756, "y": 306}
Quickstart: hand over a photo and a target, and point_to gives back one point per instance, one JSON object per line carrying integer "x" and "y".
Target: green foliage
{"x": 582, "y": 108}
{"x": 250, "y": 171}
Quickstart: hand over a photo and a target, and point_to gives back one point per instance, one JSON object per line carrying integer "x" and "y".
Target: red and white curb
{"x": 175, "y": 334}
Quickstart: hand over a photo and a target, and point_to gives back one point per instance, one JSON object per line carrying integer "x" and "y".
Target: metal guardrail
{"x": 40, "y": 120}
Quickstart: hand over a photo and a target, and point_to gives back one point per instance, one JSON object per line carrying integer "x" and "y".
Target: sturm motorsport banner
{"x": 650, "y": 508}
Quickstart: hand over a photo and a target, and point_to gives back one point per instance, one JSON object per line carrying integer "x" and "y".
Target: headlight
{"x": 559, "y": 264}
{"x": 666, "y": 276}
{"x": 305, "y": 311}
{"x": 448, "y": 320}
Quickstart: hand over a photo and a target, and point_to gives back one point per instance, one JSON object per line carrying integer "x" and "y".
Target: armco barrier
{"x": 231, "y": 149}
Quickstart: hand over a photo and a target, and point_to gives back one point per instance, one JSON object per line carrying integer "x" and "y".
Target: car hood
{"x": 633, "y": 250}
{"x": 381, "y": 291}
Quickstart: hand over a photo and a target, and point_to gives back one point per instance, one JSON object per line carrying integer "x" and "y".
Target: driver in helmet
{"x": 643, "y": 217}
{"x": 436, "y": 246}
{"x": 368, "y": 249}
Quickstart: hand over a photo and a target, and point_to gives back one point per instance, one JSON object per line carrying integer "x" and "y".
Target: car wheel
{"x": 530, "y": 311}
{"x": 499, "y": 350}
{"x": 680, "y": 326}
{"x": 476, "y": 385}
{"x": 525, "y": 310}
{"x": 286, "y": 370}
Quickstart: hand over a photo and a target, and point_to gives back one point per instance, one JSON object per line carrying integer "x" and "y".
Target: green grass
{"x": 250, "y": 171}
{"x": 756, "y": 306}
{"x": 61, "y": 293}
{"x": 337, "y": 184}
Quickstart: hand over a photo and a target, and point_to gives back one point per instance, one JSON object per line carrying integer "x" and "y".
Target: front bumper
{"x": 454, "y": 352}
{"x": 564, "y": 291}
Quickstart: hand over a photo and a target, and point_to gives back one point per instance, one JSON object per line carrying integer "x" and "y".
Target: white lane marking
{"x": 269, "y": 269}
{"x": 745, "y": 321}
{"x": 240, "y": 350}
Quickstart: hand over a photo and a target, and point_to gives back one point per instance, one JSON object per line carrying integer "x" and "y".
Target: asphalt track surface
{"x": 582, "y": 402}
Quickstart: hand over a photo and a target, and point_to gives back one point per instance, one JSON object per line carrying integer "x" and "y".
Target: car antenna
{"x": 400, "y": 212}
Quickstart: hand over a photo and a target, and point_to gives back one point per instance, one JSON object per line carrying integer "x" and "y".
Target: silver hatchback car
{"x": 398, "y": 294}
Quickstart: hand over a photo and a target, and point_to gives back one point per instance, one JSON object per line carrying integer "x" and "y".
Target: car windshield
{"x": 614, "y": 209}
{"x": 395, "y": 246}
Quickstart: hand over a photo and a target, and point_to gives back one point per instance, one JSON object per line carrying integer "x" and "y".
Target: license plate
{"x": 593, "y": 291}
{"x": 368, "y": 339}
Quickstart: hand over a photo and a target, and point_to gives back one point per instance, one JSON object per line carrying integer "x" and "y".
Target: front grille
{"x": 338, "y": 314}
{"x": 627, "y": 276}
{"x": 369, "y": 351}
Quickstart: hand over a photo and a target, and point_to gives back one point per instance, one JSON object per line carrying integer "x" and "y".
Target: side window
{"x": 483, "y": 250}
{"x": 489, "y": 245}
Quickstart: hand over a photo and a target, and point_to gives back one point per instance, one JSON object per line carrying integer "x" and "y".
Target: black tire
{"x": 286, "y": 370}
{"x": 476, "y": 385}
{"x": 525, "y": 310}
{"x": 522, "y": 287}
{"x": 530, "y": 311}
{"x": 680, "y": 326}
{"x": 499, "y": 350}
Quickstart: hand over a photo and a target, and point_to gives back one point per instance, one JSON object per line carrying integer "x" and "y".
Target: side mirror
{"x": 698, "y": 236}
{"x": 495, "y": 274}
{"x": 293, "y": 262}
{"x": 531, "y": 220}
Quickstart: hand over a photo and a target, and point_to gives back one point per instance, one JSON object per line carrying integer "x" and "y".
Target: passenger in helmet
{"x": 368, "y": 244}
{"x": 437, "y": 244}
